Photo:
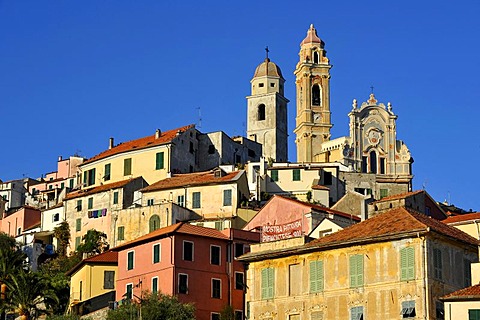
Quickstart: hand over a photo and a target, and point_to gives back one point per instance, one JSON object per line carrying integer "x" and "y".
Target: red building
{"x": 196, "y": 264}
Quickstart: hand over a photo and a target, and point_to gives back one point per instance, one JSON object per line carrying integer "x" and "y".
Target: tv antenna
{"x": 199, "y": 122}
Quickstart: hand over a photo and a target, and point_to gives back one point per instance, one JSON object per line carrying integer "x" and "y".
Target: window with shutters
{"x": 196, "y": 200}
{"x": 437, "y": 263}
{"x": 109, "y": 279}
{"x": 215, "y": 255}
{"x": 408, "y": 309}
{"x": 154, "y": 284}
{"x": 296, "y": 174}
{"x": 156, "y": 253}
{"x": 90, "y": 203}
{"x": 216, "y": 288}
{"x": 316, "y": 276}
{"x": 79, "y": 206}
{"x": 181, "y": 201}
{"x": 227, "y": 197}
{"x": 268, "y": 282}
{"x": 356, "y": 270}
{"x": 467, "y": 273}
{"x": 183, "y": 283}
{"x": 130, "y": 260}
{"x": 383, "y": 193}
{"x": 154, "y": 223}
{"x": 407, "y": 264}
{"x": 129, "y": 293}
{"x": 295, "y": 279}
{"x": 77, "y": 242}
{"x": 127, "y": 166}
{"x": 108, "y": 168}
{"x": 473, "y": 314}
{"x": 121, "y": 233}
{"x": 159, "y": 164}
{"x": 89, "y": 177}
{"x": 150, "y": 202}
{"x": 187, "y": 250}
{"x": 78, "y": 224}
{"x": 274, "y": 175}
{"x": 356, "y": 313}
{"x": 115, "y": 197}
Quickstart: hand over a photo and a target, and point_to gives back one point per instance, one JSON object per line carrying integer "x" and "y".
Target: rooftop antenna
{"x": 199, "y": 123}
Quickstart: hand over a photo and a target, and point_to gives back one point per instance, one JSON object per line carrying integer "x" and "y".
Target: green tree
{"x": 154, "y": 306}
{"x": 94, "y": 242}
{"x": 227, "y": 313}
{"x": 62, "y": 234}
{"x": 30, "y": 294}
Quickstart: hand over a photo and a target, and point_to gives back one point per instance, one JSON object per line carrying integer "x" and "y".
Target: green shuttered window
{"x": 356, "y": 270}
{"x": 156, "y": 253}
{"x": 316, "y": 276}
{"x": 296, "y": 174}
{"x": 274, "y": 175}
{"x": 159, "y": 161}
{"x": 268, "y": 283}
{"x": 407, "y": 264}
{"x": 473, "y": 314}
{"x": 127, "y": 166}
{"x": 196, "y": 201}
{"x": 130, "y": 257}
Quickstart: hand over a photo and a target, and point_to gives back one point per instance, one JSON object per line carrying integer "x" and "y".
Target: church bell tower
{"x": 312, "y": 74}
{"x": 267, "y": 111}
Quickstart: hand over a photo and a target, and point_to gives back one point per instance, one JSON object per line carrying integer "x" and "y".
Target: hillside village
{"x": 229, "y": 221}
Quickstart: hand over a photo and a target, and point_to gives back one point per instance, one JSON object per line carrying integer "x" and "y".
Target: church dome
{"x": 267, "y": 68}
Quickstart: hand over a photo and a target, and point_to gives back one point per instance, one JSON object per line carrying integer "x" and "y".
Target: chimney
{"x": 110, "y": 146}
{"x": 59, "y": 158}
{"x": 157, "y": 134}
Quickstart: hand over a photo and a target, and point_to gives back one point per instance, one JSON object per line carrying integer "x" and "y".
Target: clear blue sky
{"x": 74, "y": 73}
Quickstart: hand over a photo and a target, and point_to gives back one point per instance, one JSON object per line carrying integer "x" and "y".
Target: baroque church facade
{"x": 376, "y": 162}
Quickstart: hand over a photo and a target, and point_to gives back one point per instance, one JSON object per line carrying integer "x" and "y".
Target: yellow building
{"x": 394, "y": 265}
{"x": 214, "y": 195}
{"x": 463, "y": 304}
{"x": 151, "y": 157}
{"x": 92, "y": 208}
{"x": 92, "y": 283}
{"x": 468, "y": 223}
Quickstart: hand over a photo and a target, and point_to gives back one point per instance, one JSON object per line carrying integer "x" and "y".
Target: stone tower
{"x": 313, "y": 97}
{"x": 267, "y": 111}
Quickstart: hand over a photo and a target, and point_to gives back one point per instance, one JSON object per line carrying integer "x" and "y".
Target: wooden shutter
{"x": 159, "y": 162}
{"x": 156, "y": 253}
{"x": 410, "y": 263}
{"x": 264, "y": 284}
{"x": 271, "y": 282}
{"x": 359, "y": 270}
{"x": 313, "y": 276}
{"x": 353, "y": 271}
{"x": 403, "y": 264}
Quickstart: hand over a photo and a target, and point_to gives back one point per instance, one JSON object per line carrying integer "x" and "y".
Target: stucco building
{"x": 394, "y": 265}
{"x": 194, "y": 263}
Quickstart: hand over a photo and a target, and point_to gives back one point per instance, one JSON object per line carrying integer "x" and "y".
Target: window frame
{"x": 407, "y": 263}
{"x": 356, "y": 313}
{"x": 240, "y": 286}
{"x": 437, "y": 264}
{"x": 296, "y": 175}
{"x": 160, "y": 160}
{"x": 127, "y": 295}
{"x": 219, "y": 257}
{"x": 127, "y": 166}
{"x": 316, "y": 276}
{"x": 90, "y": 203}
{"x": 115, "y": 197}
{"x": 78, "y": 224}
{"x": 110, "y": 272}
{"x": 196, "y": 200}
{"x": 179, "y": 289}
{"x": 108, "y": 172}
{"x": 154, "y": 288}
{"x": 132, "y": 265}
{"x": 268, "y": 286}
{"x": 227, "y": 197}
{"x": 356, "y": 270}
{"x": 159, "y": 257}
{"x": 183, "y": 250}
{"x": 122, "y": 237}
{"x": 215, "y": 290}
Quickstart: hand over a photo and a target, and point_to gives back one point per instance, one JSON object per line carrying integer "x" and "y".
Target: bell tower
{"x": 267, "y": 111}
{"x": 312, "y": 74}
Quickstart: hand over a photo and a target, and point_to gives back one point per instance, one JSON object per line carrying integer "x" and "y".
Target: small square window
{"x": 272, "y": 84}
{"x": 261, "y": 84}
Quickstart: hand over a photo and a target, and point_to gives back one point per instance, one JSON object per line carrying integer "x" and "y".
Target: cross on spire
{"x": 372, "y": 87}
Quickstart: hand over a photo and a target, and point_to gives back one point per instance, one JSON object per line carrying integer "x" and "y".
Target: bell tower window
{"x": 316, "y": 95}
{"x": 373, "y": 162}
{"x": 261, "y": 112}
{"x": 315, "y": 57}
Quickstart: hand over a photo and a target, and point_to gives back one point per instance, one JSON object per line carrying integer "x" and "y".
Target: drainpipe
{"x": 425, "y": 274}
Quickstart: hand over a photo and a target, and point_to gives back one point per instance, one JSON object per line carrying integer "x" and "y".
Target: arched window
{"x": 316, "y": 95}
{"x": 261, "y": 112}
{"x": 315, "y": 57}
{"x": 373, "y": 162}
{"x": 154, "y": 223}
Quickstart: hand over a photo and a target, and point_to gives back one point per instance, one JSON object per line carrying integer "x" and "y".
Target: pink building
{"x": 15, "y": 223}
{"x": 197, "y": 264}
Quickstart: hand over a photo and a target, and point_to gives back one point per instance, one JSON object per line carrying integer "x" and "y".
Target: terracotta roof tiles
{"x": 472, "y": 292}
{"x": 105, "y": 187}
{"x": 108, "y": 257}
{"x": 141, "y": 143}
{"x": 399, "y": 196}
{"x": 462, "y": 218}
{"x": 191, "y": 179}
{"x": 178, "y": 228}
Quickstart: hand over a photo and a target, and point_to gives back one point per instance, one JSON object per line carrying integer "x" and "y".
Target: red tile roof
{"x": 319, "y": 187}
{"x": 141, "y": 143}
{"x": 108, "y": 257}
{"x": 178, "y": 228}
{"x": 462, "y": 217}
{"x": 105, "y": 187}
{"x": 397, "y": 221}
{"x": 469, "y": 293}
{"x": 399, "y": 196}
{"x": 192, "y": 179}
{"x": 321, "y": 208}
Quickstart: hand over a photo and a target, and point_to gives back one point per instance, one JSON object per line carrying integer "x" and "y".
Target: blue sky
{"x": 74, "y": 73}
